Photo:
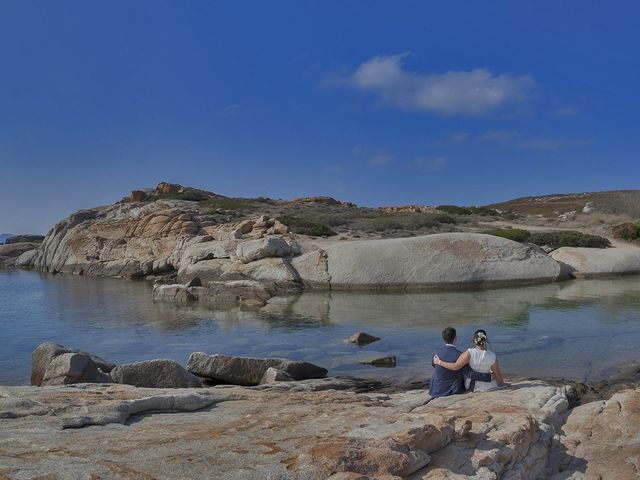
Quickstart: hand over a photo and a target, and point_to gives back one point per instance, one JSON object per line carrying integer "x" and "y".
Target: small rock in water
{"x": 362, "y": 338}
{"x": 382, "y": 362}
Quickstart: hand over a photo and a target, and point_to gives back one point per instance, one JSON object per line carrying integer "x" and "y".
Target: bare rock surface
{"x": 275, "y": 432}
{"x": 437, "y": 260}
{"x": 160, "y": 373}
{"x": 590, "y": 262}
{"x": 70, "y": 368}
{"x": 252, "y": 250}
{"x": 601, "y": 439}
{"x": 248, "y": 370}
{"x": 45, "y": 353}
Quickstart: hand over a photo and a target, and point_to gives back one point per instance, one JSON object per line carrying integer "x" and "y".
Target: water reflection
{"x": 575, "y": 329}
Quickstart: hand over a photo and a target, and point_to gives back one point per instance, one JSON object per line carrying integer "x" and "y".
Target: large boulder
{"x": 590, "y": 262}
{"x": 46, "y": 352}
{"x": 601, "y": 439}
{"x": 159, "y": 373}
{"x": 247, "y": 370}
{"x": 252, "y": 250}
{"x": 312, "y": 269}
{"x": 73, "y": 368}
{"x": 438, "y": 261}
{"x": 26, "y": 259}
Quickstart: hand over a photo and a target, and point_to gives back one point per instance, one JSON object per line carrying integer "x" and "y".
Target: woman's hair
{"x": 480, "y": 338}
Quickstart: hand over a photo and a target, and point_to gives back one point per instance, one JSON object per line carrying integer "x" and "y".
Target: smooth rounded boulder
{"x": 160, "y": 373}
{"x": 592, "y": 262}
{"x": 442, "y": 260}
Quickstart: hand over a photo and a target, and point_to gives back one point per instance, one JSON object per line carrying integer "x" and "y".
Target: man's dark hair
{"x": 449, "y": 334}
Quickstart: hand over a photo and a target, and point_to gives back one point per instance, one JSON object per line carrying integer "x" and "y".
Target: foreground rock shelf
{"x": 314, "y": 429}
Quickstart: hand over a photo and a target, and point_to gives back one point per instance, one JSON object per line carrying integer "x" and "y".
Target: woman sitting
{"x": 482, "y": 362}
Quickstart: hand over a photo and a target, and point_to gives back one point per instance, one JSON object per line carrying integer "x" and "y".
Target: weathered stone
{"x": 46, "y": 352}
{"x": 194, "y": 282}
{"x": 381, "y": 362}
{"x": 277, "y": 270}
{"x": 247, "y": 370}
{"x": 26, "y": 259}
{"x": 252, "y": 250}
{"x": 313, "y": 269}
{"x": 437, "y": 261}
{"x": 274, "y": 432}
{"x": 591, "y": 262}
{"x": 159, "y": 373}
{"x": 70, "y": 368}
{"x": 176, "y": 293}
{"x": 600, "y": 439}
{"x": 273, "y": 375}
{"x": 362, "y": 338}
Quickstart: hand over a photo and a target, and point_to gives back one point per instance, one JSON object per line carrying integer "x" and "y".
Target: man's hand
{"x": 436, "y": 360}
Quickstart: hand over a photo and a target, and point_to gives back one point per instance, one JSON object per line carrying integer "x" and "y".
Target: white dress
{"x": 481, "y": 361}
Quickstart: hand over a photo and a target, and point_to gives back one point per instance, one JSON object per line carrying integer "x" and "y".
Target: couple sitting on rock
{"x": 475, "y": 370}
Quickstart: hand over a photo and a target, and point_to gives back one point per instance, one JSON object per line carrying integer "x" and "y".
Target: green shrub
{"x": 553, "y": 239}
{"x": 304, "y": 226}
{"x": 428, "y": 220}
{"x": 627, "y": 231}
{"x": 454, "y": 210}
{"x": 229, "y": 203}
{"x": 190, "y": 195}
{"x": 515, "y": 234}
{"x": 485, "y": 211}
{"x": 382, "y": 224}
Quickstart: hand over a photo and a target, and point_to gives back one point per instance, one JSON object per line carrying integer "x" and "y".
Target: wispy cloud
{"x": 433, "y": 163}
{"x": 374, "y": 157}
{"x": 379, "y": 159}
{"x": 517, "y": 139}
{"x": 459, "y": 137}
{"x": 473, "y": 93}
{"x": 566, "y": 112}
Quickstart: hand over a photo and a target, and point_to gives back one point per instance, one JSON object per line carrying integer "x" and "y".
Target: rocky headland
{"x": 200, "y": 246}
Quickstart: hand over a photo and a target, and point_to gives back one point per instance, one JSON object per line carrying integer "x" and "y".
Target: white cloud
{"x": 476, "y": 92}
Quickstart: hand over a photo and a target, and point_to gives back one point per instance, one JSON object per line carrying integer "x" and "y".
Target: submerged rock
{"x": 248, "y": 370}
{"x": 381, "y": 362}
{"x": 362, "y": 338}
{"x": 159, "y": 373}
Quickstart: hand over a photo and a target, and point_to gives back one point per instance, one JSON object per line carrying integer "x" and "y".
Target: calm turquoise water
{"x": 580, "y": 329}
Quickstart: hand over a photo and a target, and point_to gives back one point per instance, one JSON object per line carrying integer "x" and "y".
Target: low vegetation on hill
{"x": 553, "y": 238}
{"x": 627, "y": 231}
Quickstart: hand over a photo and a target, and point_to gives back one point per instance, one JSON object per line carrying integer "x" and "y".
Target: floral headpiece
{"x": 480, "y": 338}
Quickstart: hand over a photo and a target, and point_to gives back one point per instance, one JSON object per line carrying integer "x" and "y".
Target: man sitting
{"x": 446, "y": 382}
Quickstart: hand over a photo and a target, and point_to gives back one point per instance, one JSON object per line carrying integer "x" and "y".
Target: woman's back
{"x": 481, "y": 360}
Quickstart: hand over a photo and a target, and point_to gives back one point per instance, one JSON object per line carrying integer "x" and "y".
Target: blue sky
{"x": 373, "y": 102}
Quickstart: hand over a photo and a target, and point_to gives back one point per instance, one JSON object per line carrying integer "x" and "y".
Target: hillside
{"x": 613, "y": 202}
